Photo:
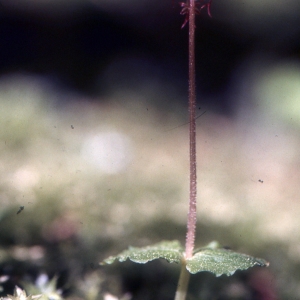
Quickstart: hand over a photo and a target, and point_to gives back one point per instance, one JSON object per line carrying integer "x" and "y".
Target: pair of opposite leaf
{"x": 211, "y": 258}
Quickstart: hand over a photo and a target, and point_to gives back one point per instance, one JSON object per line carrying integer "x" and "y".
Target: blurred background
{"x": 94, "y": 145}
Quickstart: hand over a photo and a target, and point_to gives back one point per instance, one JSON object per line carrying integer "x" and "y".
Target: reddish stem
{"x": 192, "y": 215}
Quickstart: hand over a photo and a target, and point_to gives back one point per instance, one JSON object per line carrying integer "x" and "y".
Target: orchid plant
{"x": 212, "y": 257}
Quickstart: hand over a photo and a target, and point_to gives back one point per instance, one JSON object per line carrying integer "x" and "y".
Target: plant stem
{"x": 192, "y": 215}
{"x": 182, "y": 283}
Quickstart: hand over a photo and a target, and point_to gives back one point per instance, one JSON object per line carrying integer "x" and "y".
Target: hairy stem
{"x": 192, "y": 217}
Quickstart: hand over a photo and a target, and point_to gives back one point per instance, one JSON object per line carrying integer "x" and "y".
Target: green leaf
{"x": 211, "y": 258}
{"x": 221, "y": 261}
{"x": 169, "y": 250}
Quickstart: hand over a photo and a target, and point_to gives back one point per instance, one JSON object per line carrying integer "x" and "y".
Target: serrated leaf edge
{"x": 256, "y": 261}
{"x": 173, "y": 246}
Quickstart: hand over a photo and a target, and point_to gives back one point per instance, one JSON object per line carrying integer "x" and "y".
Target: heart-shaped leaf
{"x": 169, "y": 250}
{"x": 221, "y": 261}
